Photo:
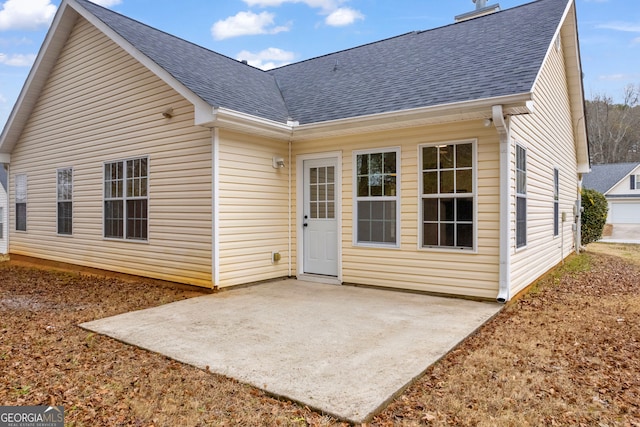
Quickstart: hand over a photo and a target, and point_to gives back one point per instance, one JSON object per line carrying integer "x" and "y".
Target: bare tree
{"x": 614, "y": 129}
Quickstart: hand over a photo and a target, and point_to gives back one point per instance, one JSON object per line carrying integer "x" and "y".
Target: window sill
{"x": 139, "y": 242}
{"x": 375, "y": 246}
{"x": 448, "y": 250}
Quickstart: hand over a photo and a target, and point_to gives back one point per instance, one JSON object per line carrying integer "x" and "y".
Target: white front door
{"x": 320, "y": 226}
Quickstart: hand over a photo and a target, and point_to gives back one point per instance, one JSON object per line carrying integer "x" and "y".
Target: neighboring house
{"x": 620, "y": 184}
{"x": 446, "y": 161}
{"x": 4, "y": 200}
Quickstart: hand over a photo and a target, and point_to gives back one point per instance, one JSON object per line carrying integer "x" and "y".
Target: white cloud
{"x": 621, "y": 26}
{"x": 245, "y": 24}
{"x": 107, "y": 3}
{"x": 17, "y": 60}
{"x": 3, "y": 100}
{"x": 613, "y": 77}
{"x": 326, "y": 5}
{"x": 336, "y": 16}
{"x": 343, "y": 16}
{"x": 26, "y": 14}
{"x": 268, "y": 58}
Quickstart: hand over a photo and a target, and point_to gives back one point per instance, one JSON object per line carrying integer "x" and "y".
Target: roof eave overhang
{"x": 53, "y": 44}
{"x": 439, "y": 114}
{"x": 568, "y": 31}
{"x": 241, "y": 122}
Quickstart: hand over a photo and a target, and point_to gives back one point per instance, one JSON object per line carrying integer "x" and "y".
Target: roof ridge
{"x": 415, "y": 32}
{"x": 343, "y": 50}
{"x": 498, "y": 12}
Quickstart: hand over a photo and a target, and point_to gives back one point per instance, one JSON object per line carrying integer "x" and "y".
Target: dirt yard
{"x": 565, "y": 354}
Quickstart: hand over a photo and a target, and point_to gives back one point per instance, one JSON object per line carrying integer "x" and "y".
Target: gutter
{"x": 221, "y": 117}
{"x": 504, "y": 291}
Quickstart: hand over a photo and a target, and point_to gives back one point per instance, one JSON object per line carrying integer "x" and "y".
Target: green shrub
{"x": 594, "y": 215}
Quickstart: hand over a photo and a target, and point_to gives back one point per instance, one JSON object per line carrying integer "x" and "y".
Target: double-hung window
{"x": 65, "y": 201}
{"x": 21, "y": 202}
{"x": 448, "y": 195}
{"x": 377, "y": 197}
{"x": 521, "y": 196}
{"x": 556, "y": 202}
{"x": 1, "y": 222}
{"x": 126, "y": 199}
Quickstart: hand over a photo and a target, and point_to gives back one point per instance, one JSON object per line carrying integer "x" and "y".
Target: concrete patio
{"x": 342, "y": 350}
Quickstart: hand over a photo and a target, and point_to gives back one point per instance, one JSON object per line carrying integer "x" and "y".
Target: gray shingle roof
{"x": 603, "y": 177}
{"x": 217, "y": 79}
{"x": 490, "y": 56}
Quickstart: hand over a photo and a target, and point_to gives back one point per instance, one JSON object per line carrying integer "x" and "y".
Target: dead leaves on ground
{"x": 565, "y": 355}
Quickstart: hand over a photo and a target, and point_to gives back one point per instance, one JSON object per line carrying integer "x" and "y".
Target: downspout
{"x": 290, "y": 237}
{"x": 505, "y": 204}
{"x": 578, "y": 216}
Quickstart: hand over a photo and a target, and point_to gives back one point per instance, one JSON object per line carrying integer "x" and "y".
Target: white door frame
{"x": 300, "y": 159}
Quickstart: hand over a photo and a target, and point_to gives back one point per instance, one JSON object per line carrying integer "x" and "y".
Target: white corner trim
{"x": 5, "y": 158}
{"x": 215, "y": 208}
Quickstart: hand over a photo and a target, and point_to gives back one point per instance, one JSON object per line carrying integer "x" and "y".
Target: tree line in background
{"x": 614, "y": 128}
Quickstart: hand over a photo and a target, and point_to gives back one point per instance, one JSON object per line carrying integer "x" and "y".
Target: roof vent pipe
{"x": 480, "y": 4}
{"x": 481, "y": 10}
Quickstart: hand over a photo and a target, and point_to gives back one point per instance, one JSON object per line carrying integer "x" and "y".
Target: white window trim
{"x": 124, "y": 199}
{"x": 26, "y": 201}
{"x": 524, "y": 195}
{"x": 474, "y": 250}
{"x": 397, "y": 197}
{"x": 72, "y": 202}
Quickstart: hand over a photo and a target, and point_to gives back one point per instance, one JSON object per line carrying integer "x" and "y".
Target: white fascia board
{"x": 53, "y": 43}
{"x": 574, "y": 77}
{"x": 247, "y": 123}
{"x": 445, "y": 113}
{"x": 202, "y": 107}
{"x": 552, "y": 44}
{"x": 5, "y": 158}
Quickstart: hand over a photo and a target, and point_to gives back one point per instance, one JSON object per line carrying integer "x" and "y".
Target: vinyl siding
{"x": 99, "y": 105}
{"x": 548, "y": 136}
{"x": 408, "y": 267}
{"x": 254, "y": 209}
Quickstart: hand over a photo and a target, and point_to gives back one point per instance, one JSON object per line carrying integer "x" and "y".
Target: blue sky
{"x": 270, "y": 33}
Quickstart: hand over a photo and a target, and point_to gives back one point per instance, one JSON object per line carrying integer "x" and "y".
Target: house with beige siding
{"x": 445, "y": 161}
{"x": 620, "y": 185}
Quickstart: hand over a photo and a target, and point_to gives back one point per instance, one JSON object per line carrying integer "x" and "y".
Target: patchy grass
{"x": 564, "y": 355}
{"x": 630, "y": 253}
